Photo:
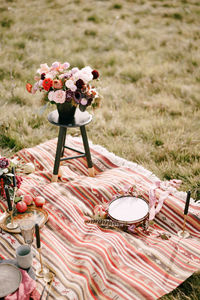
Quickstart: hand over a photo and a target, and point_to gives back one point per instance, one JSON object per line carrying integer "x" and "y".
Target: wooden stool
{"x": 80, "y": 120}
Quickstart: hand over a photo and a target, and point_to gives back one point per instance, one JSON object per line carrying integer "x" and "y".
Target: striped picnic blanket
{"x": 103, "y": 263}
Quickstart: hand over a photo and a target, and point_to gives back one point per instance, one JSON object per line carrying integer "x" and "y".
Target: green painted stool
{"x": 80, "y": 120}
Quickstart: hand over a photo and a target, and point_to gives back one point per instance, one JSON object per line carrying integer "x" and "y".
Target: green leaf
{"x": 17, "y": 199}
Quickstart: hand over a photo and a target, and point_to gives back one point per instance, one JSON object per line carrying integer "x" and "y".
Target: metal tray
{"x": 39, "y": 215}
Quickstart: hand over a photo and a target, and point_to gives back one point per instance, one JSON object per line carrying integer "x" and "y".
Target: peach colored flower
{"x": 44, "y": 68}
{"x": 59, "y": 96}
{"x": 29, "y": 87}
{"x": 57, "y": 84}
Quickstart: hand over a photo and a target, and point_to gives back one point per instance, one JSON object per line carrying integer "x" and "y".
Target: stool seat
{"x": 80, "y": 120}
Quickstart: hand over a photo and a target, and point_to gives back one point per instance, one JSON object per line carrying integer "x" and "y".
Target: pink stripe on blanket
{"x": 103, "y": 263}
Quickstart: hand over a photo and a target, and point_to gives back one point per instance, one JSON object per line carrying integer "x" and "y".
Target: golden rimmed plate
{"x": 128, "y": 210}
{"x": 10, "y": 279}
{"x": 37, "y": 214}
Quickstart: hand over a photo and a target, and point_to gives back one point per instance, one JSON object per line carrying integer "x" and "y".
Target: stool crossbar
{"x": 72, "y": 157}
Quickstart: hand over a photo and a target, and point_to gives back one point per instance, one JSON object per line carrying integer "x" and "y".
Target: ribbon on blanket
{"x": 100, "y": 211}
{"x": 169, "y": 187}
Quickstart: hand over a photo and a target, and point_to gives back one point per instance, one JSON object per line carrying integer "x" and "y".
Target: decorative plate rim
{"x": 129, "y": 222}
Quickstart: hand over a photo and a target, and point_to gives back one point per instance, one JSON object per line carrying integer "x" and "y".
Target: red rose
{"x": 80, "y": 83}
{"x": 43, "y": 76}
{"x": 95, "y": 74}
{"x": 47, "y": 84}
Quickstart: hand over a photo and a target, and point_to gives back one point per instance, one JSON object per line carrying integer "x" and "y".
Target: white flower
{"x": 76, "y": 75}
{"x": 94, "y": 92}
{"x": 3, "y": 171}
{"x": 55, "y": 65}
{"x": 66, "y": 75}
{"x": 74, "y": 70}
{"x": 51, "y": 74}
{"x": 70, "y": 85}
{"x": 86, "y": 74}
{"x": 87, "y": 69}
{"x": 14, "y": 161}
{"x": 83, "y": 101}
{"x": 61, "y": 76}
{"x": 66, "y": 65}
{"x": 51, "y": 96}
{"x": 73, "y": 88}
{"x": 40, "y": 83}
{"x": 35, "y": 87}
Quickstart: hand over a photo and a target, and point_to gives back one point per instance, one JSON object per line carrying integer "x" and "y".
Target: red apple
{"x": 21, "y": 206}
{"x": 28, "y": 199}
{"x": 19, "y": 193}
{"x": 39, "y": 201}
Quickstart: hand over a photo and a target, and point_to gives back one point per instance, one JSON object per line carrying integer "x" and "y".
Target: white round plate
{"x": 10, "y": 279}
{"x": 128, "y": 209}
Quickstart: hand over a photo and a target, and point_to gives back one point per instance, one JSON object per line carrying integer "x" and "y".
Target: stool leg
{"x": 87, "y": 151}
{"x": 64, "y": 138}
{"x": 61, "y": 136}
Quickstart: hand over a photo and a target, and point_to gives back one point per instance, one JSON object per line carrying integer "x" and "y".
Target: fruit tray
{"x": 37, "y": 214}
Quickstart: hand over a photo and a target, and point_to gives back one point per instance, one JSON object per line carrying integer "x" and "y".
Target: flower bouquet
{"x": 8, "y": 177}
{"x": 69, "y": 88}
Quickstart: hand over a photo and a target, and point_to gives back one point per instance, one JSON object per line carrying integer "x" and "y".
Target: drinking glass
{"x": 27, "y": 228}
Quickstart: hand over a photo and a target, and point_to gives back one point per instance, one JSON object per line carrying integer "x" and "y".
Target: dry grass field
{"x": 147, "y": 53}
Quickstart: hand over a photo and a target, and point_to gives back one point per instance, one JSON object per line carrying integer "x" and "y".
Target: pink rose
{"x": 51, "y": 96}
{"x": 59, "y": 96}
